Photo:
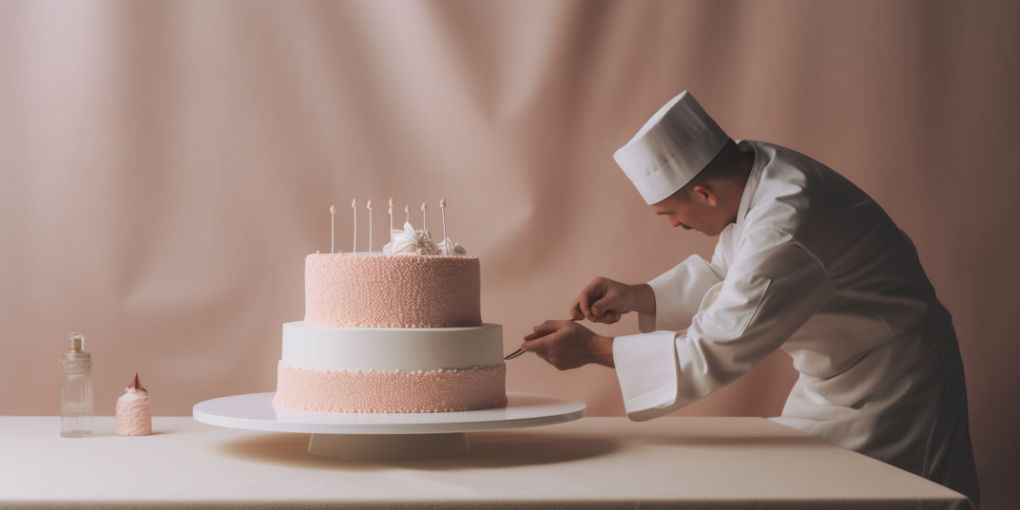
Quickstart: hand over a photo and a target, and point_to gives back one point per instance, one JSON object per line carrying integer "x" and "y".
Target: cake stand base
{"x": 395, "y": 436}
{"x": 389, "y": 446}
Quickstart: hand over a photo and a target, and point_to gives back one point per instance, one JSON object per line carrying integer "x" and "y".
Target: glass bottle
{"x": 76, "y": 390}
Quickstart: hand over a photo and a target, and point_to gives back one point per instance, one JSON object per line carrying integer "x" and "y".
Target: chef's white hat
{"x": 679, "y": 141}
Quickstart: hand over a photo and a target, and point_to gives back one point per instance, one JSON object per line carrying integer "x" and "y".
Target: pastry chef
{"x": 806, "y": 262}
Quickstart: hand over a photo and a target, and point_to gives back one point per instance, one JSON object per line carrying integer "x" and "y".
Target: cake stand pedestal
{"x": 386, "y": 436}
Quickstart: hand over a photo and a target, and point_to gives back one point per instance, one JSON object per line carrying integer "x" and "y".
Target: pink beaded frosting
{"x": 392, "y": 291}
{"x": 390, "y": 392}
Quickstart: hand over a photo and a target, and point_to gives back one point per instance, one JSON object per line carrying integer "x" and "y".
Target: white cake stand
{"x": 368, "y": 436}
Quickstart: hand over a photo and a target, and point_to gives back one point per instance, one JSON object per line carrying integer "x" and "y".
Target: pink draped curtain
{"x": 166, "y": 166}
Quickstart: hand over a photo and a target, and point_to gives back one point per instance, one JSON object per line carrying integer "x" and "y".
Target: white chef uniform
{"x": 813, "y": 266}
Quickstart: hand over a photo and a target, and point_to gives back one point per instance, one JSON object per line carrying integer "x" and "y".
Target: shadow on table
{"x": 743, "y": 443}
{"x": 488, "y": 450}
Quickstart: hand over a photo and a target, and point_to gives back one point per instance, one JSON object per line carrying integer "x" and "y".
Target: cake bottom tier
{"x": 371, "y": 391}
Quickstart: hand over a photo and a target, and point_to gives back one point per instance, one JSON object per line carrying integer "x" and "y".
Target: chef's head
{"x": 686, "y": 167}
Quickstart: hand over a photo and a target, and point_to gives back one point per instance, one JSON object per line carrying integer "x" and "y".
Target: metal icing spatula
{"x": 514, "y": 354}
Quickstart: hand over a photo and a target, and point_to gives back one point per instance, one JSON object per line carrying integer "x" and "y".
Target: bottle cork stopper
{"x": 77, "y": 342}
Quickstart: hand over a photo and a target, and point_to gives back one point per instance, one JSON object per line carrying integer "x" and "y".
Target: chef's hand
{"x": 567, "y": 344}
{"x": 606, "y": 301}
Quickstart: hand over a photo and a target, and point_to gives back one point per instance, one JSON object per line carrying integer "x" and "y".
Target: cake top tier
{"x": 392, "y": 291}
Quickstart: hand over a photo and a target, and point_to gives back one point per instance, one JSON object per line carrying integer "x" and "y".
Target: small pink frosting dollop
{"x": 134, "y": 417}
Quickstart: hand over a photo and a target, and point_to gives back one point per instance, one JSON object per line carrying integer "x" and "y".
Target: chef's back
{"x": 880, "y": 368}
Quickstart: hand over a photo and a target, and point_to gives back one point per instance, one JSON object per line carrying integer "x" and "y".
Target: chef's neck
{"x": 719, "y": 188}
{"x": 733, "y": 188}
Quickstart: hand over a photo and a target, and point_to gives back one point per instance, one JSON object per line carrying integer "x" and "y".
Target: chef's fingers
{"x": 543, "y": 342}
{"x": 609, "y": 303}
{"x": 535, "y": 334}
{"x": 546, "y": 328}
{"x": 591, "y": 293}
{"x": 584, "y": 304}
{"x": 575, "y": 311}
{"x": 610, "y": 317}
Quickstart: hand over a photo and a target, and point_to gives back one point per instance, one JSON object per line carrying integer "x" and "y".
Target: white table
{"x": 591, "y": 463}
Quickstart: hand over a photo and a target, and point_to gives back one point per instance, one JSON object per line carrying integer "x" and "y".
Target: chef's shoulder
{"x": 814, "y": 205}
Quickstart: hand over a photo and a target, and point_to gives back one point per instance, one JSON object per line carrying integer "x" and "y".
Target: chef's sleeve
{"x": 772, "y": 288}
{"x": 678, "y": 293}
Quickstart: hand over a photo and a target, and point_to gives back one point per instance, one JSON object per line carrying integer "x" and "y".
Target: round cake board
{"x": 386, "y": 436}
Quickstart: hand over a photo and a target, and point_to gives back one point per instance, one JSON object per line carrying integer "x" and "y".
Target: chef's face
{"x": 698, "y": 211}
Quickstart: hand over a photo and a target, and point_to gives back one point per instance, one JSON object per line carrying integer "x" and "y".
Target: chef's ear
{"x": 701, "y": 193}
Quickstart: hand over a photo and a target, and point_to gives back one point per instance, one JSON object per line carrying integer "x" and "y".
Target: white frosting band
{"x": 387, "y": 349}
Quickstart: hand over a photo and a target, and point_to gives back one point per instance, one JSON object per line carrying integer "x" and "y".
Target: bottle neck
{"x": 76, "y": 363}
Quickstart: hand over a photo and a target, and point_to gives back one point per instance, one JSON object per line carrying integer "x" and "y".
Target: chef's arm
{"x": 667, "y": 302}
{"x": 606, "y": 301}
{"x": 773, "y": 287}
{"x": 677, "y": 293}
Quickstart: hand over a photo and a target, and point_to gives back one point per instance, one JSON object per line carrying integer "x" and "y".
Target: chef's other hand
{"x": 604, "y": 300}
{"x": 567, "y": 344}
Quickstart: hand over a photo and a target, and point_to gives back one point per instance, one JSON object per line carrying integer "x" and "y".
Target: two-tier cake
{"x": 392, "y": 332}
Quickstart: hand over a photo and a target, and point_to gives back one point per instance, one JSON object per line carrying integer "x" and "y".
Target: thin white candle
{"x": 354, "y": 205}
{"x": 332, "y": 226}
{"x": 391, "y": 214}
{"x": 446, "y": 242}
{"x": 370, "y": 226}
{"x": 424, "y": 209}
{"x": 407, "y": 211}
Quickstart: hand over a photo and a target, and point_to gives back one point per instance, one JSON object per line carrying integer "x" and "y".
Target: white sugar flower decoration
{"x": 410, "y": 242}
{"x": 448, "y": 247}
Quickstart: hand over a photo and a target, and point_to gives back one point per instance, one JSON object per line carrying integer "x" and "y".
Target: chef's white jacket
{"x": 815, "y": 267}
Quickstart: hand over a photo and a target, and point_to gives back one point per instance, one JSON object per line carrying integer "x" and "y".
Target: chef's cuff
{"x": 678, "y": 294}
{"x": 646, "y": 366}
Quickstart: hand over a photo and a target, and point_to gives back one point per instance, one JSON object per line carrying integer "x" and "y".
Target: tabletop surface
{"x": 590, "y": 463}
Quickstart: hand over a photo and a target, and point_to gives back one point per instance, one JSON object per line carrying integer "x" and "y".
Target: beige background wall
{"x": 165, "y": 167}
